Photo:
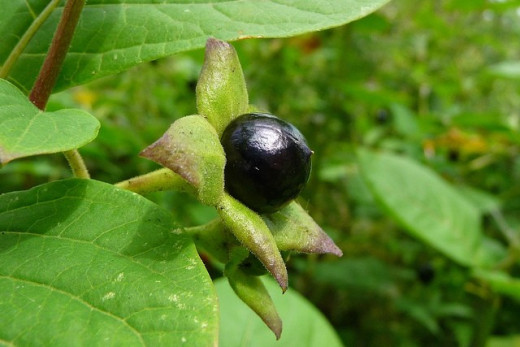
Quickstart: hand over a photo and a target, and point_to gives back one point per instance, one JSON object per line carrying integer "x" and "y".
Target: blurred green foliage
{"x": 435, "y": 80}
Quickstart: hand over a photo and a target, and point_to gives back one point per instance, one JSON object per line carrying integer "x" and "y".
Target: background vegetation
{"x": 435, "y": 80}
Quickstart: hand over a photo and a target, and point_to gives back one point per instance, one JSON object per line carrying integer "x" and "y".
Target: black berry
{"x": 426, "y": 273}
{"x": 382, "y": 116}
{"x": 268, "y": 161}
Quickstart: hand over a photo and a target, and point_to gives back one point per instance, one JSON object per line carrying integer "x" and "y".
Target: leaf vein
{"x": 81, "y": 301}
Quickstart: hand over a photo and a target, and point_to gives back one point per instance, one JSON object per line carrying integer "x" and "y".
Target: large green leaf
{"x": 303, "y": 324}
{"x": 26, "y": 131}
{"x": 425, "y": 205}
{"x": 114, "y": 35}
{"x": 85, "y": 263}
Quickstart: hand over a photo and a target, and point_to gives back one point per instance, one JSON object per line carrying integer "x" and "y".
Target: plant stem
{"x": 76, "y": 163}
{"x": 27, "y": 36}
{"x": 48, "y": 75}
{"x": 159, "y": 180}
{"x": 210, "y": 226}
{"x": 41, "y": 91}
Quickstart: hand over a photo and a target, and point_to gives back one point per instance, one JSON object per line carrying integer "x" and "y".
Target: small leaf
{"x": 501, "y": 282}
{"x": 404, "y": 120}
{"x": 294, "y": 230}
{"x": 85, "y": 263}
{"x": 367, "y": 275}
{"x": 503, "y": 341}
{"x": 192, "y": 149}
{"x": 505, "y": 69}
{"x": 304, "y": 324}
{"x": 426, "y": 206}
{"x": 221, "y": 89}
{"x": 251, "y": 231}
{"x": 490, "y": 253}
{"x": 25, "y": 130}
{"x": 252, "y": 292}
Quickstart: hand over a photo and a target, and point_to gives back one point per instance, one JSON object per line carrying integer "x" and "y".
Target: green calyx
{"x": 248, "y": 243}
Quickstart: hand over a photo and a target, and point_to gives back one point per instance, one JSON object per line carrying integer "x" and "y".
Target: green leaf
{"x": 426, "y": 206}
{"x": 404, "y": 120}
{"x": 418, "y": 313}
{"x": 294, "y": 230}
{"x": 249, "y": 228}
{"x": 490, "y": 253}
{"x": 221, "y": 89}
{"x": 366, "y": 275}
{"x": 303, "y": 324}
{"x": 85, "y": 263}
{"x": 505, "y": 69}
{"x": 504, "y": 341}
{"x": 114, "y": 35}
{"x": 483, "y": 201}
{"x": 25, "y": 130}
{"x": 500, "y": 282}
{"x": 191, "y": 148}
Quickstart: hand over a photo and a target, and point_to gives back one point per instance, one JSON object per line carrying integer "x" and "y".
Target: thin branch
{"x": 41, "y": 91}
{"x": 76, "y": 163}
{"x": 159, "y": 180}
{"x": 48, "y": 75}
{"x": 203, "y": 228}
{"x": 26, "y": 38}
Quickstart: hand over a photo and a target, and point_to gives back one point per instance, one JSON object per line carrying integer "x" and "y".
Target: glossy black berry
{"x": 382, "y": 116}
{"x": 268, "y": 161}
{"x": 426, "y": 273}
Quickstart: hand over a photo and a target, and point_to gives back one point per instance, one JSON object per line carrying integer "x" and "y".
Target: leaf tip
{"x": 283, "y": 280}
{"x": 276, "y": 328}
{"x": 326, "y": 245}
{"x": 279, "y": 273}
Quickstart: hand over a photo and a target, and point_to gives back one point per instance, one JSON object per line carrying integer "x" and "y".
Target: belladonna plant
{"x": 252, "y": 227}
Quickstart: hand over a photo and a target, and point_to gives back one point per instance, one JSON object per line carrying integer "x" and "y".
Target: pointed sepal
{"x": 294, "y": 230}
{"x": 253, "y": 293}
{"x": 221, "y": 88}
{"x": 191, "y": 148}
{"x": 249, "y": 228}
